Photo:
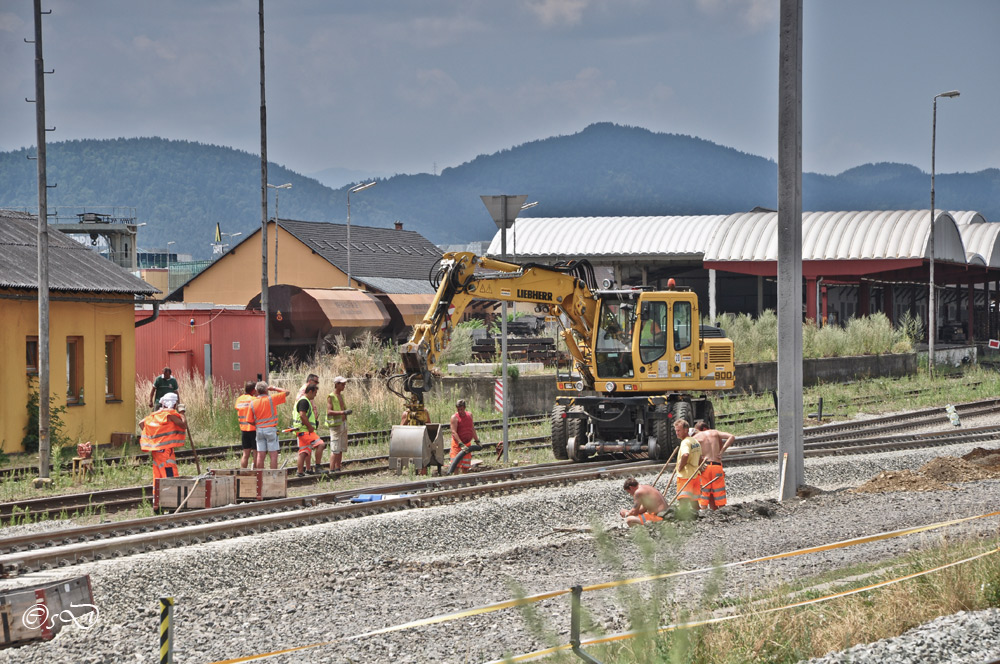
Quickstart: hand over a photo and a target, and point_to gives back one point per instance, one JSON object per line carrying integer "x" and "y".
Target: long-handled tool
{"x": 664, "y": 468}
{"x": 697, "y": 473}
{"x": 194, "y": 451}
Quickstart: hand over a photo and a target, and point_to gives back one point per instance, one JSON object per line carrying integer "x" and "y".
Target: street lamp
{"x": 353, "y": 190}
{"x": 168, "y": 263}
{"x": 276, "y": 187}
{"x": 931, "y": 317}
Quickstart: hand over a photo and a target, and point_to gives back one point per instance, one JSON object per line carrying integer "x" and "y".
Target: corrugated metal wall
{"x": 235, "y": 338}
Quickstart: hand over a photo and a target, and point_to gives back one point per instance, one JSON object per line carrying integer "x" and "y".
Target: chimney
{"x": 399, "y": 225}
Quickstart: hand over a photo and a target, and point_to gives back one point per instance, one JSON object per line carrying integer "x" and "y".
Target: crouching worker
{"x": 162, "y": 431}
{"x": 305, "y": 429}
{"x": 649, "y": 506}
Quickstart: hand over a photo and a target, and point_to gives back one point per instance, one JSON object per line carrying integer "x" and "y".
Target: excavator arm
{"x": 566, "y": 290}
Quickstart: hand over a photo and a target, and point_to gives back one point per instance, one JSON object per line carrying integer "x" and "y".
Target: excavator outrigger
{"x": 638, "y": 354}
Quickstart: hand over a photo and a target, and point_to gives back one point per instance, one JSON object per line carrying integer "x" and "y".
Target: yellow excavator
{"x": 639, "y": 356}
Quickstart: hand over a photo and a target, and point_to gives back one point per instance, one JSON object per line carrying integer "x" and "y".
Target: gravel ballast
{"x": 258, "y": 594}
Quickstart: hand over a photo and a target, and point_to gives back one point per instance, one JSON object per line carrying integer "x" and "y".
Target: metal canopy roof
{"x": 982, "y": 239}
{"x": 591, "y": 237}
{"x": 869, "y": 235}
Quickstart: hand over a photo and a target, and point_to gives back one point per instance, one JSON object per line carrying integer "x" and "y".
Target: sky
{"x": 415, "y": 87}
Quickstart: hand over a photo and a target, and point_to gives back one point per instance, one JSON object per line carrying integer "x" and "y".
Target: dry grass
{"x": 764, "y": 635}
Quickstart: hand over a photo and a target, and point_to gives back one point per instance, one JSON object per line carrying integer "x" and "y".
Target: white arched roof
{"x": 966, "y": 217}
{"x": 868, "y": 235}
{"x": 582, "y": 237}
{"x": 982, "y": 239}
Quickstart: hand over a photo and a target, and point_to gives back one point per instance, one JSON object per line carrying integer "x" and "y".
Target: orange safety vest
{"x": 159, "y": 433}
{"x": 262, "y": 411}
{"x": 243, "y": 412}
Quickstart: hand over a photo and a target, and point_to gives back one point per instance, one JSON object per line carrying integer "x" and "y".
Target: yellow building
{"x": 91, "y": 335}
{"x": 310, "y": 254}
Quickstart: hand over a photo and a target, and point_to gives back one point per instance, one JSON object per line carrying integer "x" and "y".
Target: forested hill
{"x": 182, "y": 189}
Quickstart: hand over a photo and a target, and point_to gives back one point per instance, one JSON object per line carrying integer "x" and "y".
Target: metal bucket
{"x": 421, "y": 446}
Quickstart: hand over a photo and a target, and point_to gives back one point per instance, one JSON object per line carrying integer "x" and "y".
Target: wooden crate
{"x": 121, "y": 439}
{"x": 210, "y": 491}
{"x": 259, "y": 484}
{"x": 39, "y": 612}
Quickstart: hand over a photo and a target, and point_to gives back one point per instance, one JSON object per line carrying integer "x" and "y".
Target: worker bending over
{"x": 713, "y": 477}
{"x": 162, "y": 431}
{"x": 649, "y": 505}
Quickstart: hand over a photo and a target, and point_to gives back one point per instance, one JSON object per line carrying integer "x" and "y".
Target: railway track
{"x": 226, "y": 451}
{"x": 117, "y": 500}
{"x": 87, "y": 543}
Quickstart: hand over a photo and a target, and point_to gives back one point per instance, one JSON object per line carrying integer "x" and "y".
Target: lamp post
{"x": 353, "y": 190}
{"x": 168, "y": 264}
{"x": 276, "y": 187}
{"x": 931, "y": 317}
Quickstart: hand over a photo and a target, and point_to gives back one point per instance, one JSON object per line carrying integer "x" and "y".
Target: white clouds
{"x": 433, "y": 88}
{"x": 11, "y": 23}
{"x": 144, "y": 43}
{"x": 558, "y": 12}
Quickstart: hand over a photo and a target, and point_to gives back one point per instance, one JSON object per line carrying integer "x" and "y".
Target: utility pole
{"x": 263, "y": 205}
{"x": 790, "y": 454}
{"x": 43, "y": 260}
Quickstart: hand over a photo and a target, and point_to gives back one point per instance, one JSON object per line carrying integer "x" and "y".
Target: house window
{"x": 74, "y": 370}
{"x": 31, "y": 355}
{"x": 113, "y": 368}
{"x": 236, "y": 345}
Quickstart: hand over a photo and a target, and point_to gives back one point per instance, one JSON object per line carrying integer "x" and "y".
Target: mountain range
{"x": 182, "y": 189}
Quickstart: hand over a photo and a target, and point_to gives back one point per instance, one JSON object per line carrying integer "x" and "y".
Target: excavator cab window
{"x": 613, "y": 349}
{"x": 682, "y": 325}
{"x": 652, "y": 331}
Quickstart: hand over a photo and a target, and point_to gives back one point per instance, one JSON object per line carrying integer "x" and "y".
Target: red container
{"x": 226, "y": 343}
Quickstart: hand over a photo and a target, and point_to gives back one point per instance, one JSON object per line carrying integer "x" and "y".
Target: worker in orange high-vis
{"x": 162, "y": 431}
{"x": 688, "y": 467}
{"x": 248, "y": 431}
{"x": 264, "y": 416}
{"x": 713, "y": 478}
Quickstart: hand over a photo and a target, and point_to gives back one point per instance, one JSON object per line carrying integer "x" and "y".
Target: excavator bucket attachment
{"x": 421, "y": 446}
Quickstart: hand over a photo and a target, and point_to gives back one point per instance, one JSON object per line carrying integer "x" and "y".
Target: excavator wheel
{"x": 559, "y": 432}
{"x": 664, "y": 434}
{"x": 709, "y": 415}
{"x": 576, "y": 428}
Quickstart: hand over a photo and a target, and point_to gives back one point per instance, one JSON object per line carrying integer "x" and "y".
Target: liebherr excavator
{"x": 639, "y": 355}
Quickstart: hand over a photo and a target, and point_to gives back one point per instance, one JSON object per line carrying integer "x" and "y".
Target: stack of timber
{"x": 527, "y": 349}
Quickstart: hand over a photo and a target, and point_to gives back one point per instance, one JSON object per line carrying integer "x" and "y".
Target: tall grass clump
{"x": 756, "y": 340}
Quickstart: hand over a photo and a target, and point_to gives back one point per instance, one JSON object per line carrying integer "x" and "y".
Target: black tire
{"x": 682, "y": 411}
{"x": 558, "y": 421}
{"x": 577, "y": 427}
{"x": 663, "y": 432}
{"x": 709, "y": 415}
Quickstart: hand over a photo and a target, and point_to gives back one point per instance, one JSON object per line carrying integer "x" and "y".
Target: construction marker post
{"x": 166, "y": 630}
{"x": 574, "y": 626}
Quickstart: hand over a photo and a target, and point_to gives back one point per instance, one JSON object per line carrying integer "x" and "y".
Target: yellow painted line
{"x": 531, "y": 599}
{"x": 709, "y": 621}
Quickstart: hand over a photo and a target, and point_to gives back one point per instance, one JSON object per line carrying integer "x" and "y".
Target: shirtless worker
{"x": 649, "y": 504}
{"x": 713, "y": 477}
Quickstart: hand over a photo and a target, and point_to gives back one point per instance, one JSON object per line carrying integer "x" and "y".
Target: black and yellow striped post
{"x": 166, "y": 630}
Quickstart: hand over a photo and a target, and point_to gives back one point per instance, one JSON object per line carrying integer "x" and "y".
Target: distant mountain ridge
{"x": 181, "y": 189}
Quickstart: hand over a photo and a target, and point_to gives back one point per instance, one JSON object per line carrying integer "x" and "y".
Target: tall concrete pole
{"x": 43, "y": 259}
{"x": 791, "y": 468}
{"x": 263, "y": 204}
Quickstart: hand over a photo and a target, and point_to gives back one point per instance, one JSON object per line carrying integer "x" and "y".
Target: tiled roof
{"x": 395, "y": 285}
{"x": 375, "y": 252}
{"x": 72, "y": 266}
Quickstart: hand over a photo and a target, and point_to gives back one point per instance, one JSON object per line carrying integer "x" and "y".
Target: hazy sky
{"x": 409, "y": 86}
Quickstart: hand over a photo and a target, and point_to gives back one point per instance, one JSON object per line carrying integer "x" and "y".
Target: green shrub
{"x": 56, "y": 437}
